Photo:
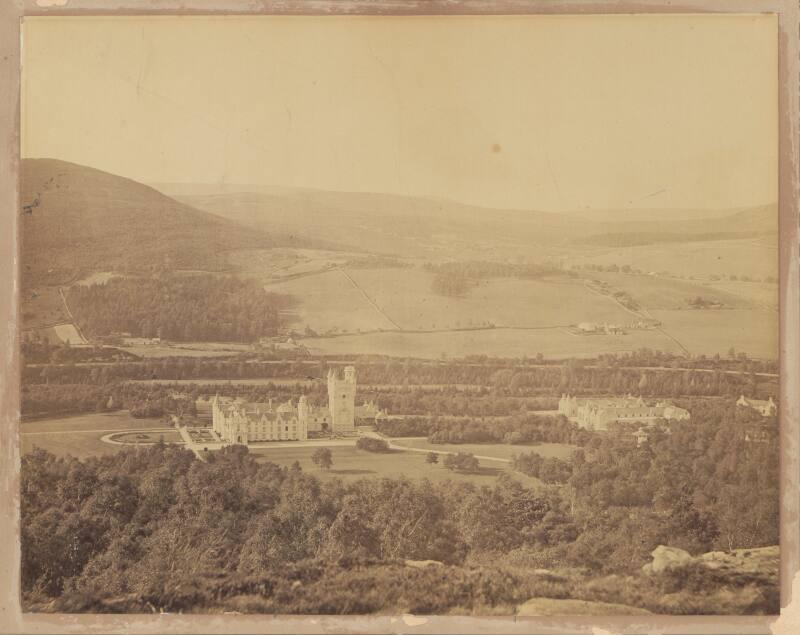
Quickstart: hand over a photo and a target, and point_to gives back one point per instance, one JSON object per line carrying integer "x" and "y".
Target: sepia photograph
{"x": 365, "y": 315}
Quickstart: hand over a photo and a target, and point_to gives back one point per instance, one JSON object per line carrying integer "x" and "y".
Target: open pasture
{"x": 405, "y": 295}
{"x": 756, "y": 258}
{"x": 758, "y": 294}
{"x": 552, "y": 343}
{"x": 716, "y": 331}
{"x": 330, "y": 302}
{"x": 351, "y": 464}
{"x": 659, "y": 292}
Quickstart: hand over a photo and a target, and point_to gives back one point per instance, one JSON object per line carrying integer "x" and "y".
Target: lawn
{"x": 500, "y": 450}
{"x": 140, "y": 436}
{"x": 79, "y": 436}
{"x": 351, "y": 464}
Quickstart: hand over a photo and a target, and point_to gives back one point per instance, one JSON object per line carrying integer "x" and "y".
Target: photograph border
{"x": 12, "y": 620}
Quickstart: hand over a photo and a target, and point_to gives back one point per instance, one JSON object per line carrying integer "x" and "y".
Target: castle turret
{"x": 342, "y": 400}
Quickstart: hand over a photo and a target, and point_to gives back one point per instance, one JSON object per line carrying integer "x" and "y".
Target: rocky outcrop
{"x": 739, "y": 565}
{"x": 665, "y": 558}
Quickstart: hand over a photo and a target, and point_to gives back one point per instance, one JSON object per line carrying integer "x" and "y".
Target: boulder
{"x": 665, "y": 558}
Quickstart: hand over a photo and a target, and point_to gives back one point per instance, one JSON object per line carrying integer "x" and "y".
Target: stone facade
{"x": 342, "y": 401}
{"x": 241, "y": 422}
{"x": 597, "y": 414}
{"x": 767, "y": 408}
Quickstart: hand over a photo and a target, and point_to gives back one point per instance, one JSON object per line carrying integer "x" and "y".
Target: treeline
{"x": 701, "y": 480}
{"x": 478, "y": 269}
{"x": 513, "y": 430}
{"x": 608, "y": 373}
{"x": 547, "y": 469}
{"x": 178, "y": 308}
{"x": 141, "y": 400}
{"x": 155, "y": 529}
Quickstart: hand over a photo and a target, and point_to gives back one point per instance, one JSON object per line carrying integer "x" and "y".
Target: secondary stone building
{"x": 767, "y": 408}
{"x": 597, "y": 414}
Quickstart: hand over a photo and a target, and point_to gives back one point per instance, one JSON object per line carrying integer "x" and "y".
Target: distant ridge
{"x": 412, "y": 225}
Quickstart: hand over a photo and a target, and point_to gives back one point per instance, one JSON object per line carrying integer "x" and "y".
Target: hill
{"x": 424, "y": 227}
{"x": 77, "y": 219}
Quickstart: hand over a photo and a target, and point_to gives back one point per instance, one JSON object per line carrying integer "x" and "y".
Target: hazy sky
{"x": 553, "y": 113}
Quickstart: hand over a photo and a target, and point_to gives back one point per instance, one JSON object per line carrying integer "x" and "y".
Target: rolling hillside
{"x": 76, "y": 220}
{"x": 415, "y": 226}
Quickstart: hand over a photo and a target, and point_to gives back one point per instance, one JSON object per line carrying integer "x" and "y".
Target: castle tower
{"x": 342, "y": 401}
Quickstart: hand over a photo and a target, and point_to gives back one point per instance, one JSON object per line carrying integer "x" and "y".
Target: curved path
{"x": 107, "y": 438}
{"x": 393, "y": 445}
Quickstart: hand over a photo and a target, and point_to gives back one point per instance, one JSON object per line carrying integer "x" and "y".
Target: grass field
{"x": 79, "y": 436}
{"x": 657, "y": 292}
{"x": 405, "y": 295}
{"x": 351, "y": 464}
{"x": 329, "y": 302}
{"x": 709, "y": 332}
{"x": 552, "y": 343}
{"x": 747, "y": 257}
{"x": 760, "y": 294}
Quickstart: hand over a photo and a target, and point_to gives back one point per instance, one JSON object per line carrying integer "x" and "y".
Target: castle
{"x": 597, "y": 414}
{"x": 242, "y": 422}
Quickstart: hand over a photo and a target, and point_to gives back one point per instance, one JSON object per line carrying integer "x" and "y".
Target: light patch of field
{"x": 80, "y": 436}
{"x": 67, "y": 333}
{"x": 188, "y": 349}
{"x": 351, "y": 464}
{"x": 329, "y": 302}
{"x": 756, "y": 258}
{"x": 99, "y": 277}
{"x": 405, "y": 295}
{"x": 658, "y": 292}
{"x": 715, "y": 331}
{"x": 41, "y": 307}
{"x": 281, "y": 262}
{"x": 552, "y": 343}
{"x": 500, "y": 450}
{"x": 762, "y": 294}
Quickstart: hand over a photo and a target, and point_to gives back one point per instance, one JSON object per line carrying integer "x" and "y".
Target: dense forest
{"x": 155, "y": 529}
{"x": 178, "y": 308}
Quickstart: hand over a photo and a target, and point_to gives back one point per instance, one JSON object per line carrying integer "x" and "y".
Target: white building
{"x": 767, "y": 408}
{"x": 239, "y": 421}
{"x": 597, "y": 414}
